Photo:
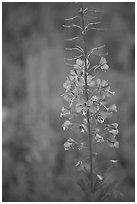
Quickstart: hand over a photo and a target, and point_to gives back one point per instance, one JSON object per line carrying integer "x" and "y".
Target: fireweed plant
{"x": 88, "y": 98}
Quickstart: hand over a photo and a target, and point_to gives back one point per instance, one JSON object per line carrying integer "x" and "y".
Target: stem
{"x": 86, "y": 95}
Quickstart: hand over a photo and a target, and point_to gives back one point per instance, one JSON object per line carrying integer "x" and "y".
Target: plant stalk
{"x": 87, "y": 98}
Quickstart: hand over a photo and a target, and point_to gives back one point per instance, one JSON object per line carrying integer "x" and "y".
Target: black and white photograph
{"x": 68, "y": 101}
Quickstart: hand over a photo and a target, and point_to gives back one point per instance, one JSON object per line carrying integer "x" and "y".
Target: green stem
{"x": 86, "y": 95}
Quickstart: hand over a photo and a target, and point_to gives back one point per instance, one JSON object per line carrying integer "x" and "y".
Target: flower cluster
{"x": 89, "y": 107}
{"x": 97, "y": 103}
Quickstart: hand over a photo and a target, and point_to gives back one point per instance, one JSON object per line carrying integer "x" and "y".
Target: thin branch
{"x": 96, "y": 11}
{"x": 71, "y": 39}
{"x": 91, "y": 17}
{"x": 74, "y": 58}
{"x": 96, "y": 48}
{"x": 100, "y": 55}
{"x": 80, "y": 48}
{"x": 98, "y": 29}
{"x": 74, "y": 48}
{"x": 71, "y": 19}
{"x": 71, "y": 65}
{"x": 71, "y": 26}
{"x": 90, "y": 24}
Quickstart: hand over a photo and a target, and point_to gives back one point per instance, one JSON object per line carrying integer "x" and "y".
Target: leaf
{"x": 93, "y": 49}
{"x": 70, "y": 19}
{"x": 73, "y": 48}
{"x": 74, "y": 38}
{"x": 80, "y": 48}
{"x": 90, "y": 24}
{"x": 98, "y": 29}
{"x": 96, "y": 11}
{"x": 73, "y": 25}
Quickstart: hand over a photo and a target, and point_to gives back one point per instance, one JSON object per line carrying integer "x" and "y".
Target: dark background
{"x": 35, "y": 165}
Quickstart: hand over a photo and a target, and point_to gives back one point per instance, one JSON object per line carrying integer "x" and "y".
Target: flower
{"x": 115, "y": 125}
{"x": 78, "y": 91}
{"x": 90, "y": 82}
{"x": 79, "y": 63}
{"x": 114, "y": 132}
{"x": 68, "y": 96}
{"x": 64, "y": 112}
{"x": 116, "y": 144}
{"x": 113, "y": 143}
{"x": 113, "y": 108}
{"x": 69, "y": 144}
{"x": 102, "y": 116}
{"x": 67, "y": 124}
{"x": 83, "y": 128}
{"x": 81, "y": 106}
{"x": 102, "y": 84}
{"x": 104, "y": 89}
{"x": 67, "y": 84}
{"x": 99, "y": 138}
{"x": 93, "y": 106}
{"x": 103, "y": 64}
{"x": 79, "y": 67}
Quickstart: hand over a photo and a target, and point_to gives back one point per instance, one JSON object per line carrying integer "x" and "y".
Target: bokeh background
{"x": 35, "y": 165}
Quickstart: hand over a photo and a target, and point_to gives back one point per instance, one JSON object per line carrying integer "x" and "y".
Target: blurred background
{"x": 35, "y": 165}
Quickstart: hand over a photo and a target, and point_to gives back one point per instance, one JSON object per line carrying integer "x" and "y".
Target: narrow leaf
{"x": 74, "y": 48}
{"x": 73, "y": 25}
{"x": 74, "y": 58}
{"x": 71, "y": 39}
{"x": 71, "y": 19}
{"x": 71, "y": 65}
{"x": 91, "y": 17}
{"x": 80, "y": 48}
{"x": 100, "y": 55}
{"x": 96, "y": 11}
{"x": 90, "y": 24}
{"x": 98, "y": 29}
{"x": 96, "y": 48}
